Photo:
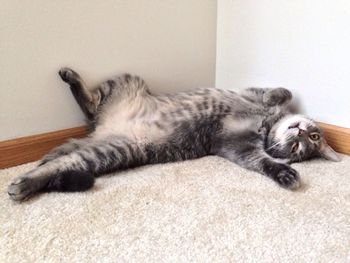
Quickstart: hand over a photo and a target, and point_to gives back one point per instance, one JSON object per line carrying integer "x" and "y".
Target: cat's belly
{"x": 140, "y": 124}
{"x": 238, "y": 125}
{"x": 135, "y": 130}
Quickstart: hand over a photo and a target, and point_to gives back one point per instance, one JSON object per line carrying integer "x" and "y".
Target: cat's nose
{"x": 301, "y": 132}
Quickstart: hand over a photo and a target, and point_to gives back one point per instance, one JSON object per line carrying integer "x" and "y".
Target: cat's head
{"x": 298, "y": 138}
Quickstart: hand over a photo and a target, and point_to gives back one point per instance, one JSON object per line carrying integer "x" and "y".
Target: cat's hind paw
{"x": 20, "y": 189}
{"x": 68, "y": 75}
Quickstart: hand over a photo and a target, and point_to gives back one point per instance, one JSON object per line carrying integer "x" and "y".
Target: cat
{"x": 130, "y": 126}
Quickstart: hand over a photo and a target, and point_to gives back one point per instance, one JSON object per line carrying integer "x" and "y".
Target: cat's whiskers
{"x": 274, "y": 145}
{"x": 280, "y": 142}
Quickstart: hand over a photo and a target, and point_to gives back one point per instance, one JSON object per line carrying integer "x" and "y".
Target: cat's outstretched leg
{"x": 87, "y": 101}
{"x": 247, "y": 151}
{"x": 75, "y": 171}
{"x": 64, "y": 149}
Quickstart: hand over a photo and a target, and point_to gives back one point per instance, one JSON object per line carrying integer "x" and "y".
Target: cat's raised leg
{"x": 87, "y": 101}
{"x": 247, "y": 153}
{"x": 75, "y": 171}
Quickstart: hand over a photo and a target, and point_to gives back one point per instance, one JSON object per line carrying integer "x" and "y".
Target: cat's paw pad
{"x": 20, "y": 188}
{"x": 68, "y": 75}
{"x": 289, "y": 178}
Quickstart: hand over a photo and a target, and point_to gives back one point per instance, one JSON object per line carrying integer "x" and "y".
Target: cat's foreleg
{"x": 277, "y": 96}
{"x": 254, "y": 158}
{"x": 268, "y": 96}
{"x": 254, "y": 94}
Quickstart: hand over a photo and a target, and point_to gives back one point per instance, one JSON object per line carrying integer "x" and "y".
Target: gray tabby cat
{"x": 131, "y": 126}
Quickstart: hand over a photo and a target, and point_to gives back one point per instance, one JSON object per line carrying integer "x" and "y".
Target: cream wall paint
{"x": 170, "y": 43}
{"x": 301, "y": 45}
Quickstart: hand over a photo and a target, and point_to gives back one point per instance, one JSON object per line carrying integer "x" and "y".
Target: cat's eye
{"x": 295, "y": 147}
{"x": 314, "y": 136}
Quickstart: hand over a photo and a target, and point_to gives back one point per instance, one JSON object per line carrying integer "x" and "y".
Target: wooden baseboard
{"x": 337, "y": 137}
{"x": 32, "y": 148}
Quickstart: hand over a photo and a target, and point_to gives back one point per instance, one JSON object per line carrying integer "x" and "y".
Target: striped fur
{"x": 133, "y": 127}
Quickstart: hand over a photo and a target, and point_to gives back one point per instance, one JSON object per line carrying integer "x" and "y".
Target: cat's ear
{"x": 328, "y": 153}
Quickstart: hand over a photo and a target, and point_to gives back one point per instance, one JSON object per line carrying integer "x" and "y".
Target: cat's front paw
{"x": 288, "y": 178}
{"x": 277, "y": 96}
{"x": 68, "y": 75}
{"x": 20, "y": 188}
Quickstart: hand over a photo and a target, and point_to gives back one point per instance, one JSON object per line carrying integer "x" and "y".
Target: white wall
{"x": 302, "y": 45}
{"x": 170, "y": 43}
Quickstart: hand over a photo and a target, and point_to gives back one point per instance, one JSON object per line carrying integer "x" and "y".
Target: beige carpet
{"x": 207, "y": 210}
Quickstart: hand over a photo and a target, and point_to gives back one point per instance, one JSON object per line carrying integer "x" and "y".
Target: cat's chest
{"x": 233, "y": 124}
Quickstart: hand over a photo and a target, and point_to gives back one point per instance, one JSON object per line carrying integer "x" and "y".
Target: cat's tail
{"x": 71, "y": 181}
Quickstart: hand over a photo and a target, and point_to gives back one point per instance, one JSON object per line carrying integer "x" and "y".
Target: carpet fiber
{"x": 206, "y": 210}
